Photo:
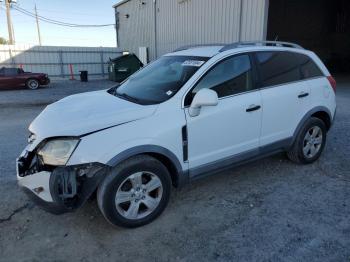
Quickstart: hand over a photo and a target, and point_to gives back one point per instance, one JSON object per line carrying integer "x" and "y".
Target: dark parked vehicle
{"x": 16, "y": 77}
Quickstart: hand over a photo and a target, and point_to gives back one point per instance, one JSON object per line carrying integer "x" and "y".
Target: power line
{"x": 69, "y": 12}
{"x": 55, "y": 22}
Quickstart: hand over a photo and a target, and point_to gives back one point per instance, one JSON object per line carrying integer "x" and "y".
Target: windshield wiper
{"x": 128, "y": 98}
{"x": 113, "y": 90}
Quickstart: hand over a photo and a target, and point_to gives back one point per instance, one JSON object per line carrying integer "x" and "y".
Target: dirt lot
{"x": 268, "y": 210}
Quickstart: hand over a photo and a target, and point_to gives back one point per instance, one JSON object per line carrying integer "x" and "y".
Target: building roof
{"x": 120, "y": 3}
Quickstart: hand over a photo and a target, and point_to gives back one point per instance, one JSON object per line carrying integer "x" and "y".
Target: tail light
{"x": 332, "y": 82}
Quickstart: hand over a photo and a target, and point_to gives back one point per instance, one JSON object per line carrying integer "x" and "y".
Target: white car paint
{"x": 40, "y": 180}
{"x": 84, "y": 113}
{"x": 282, "y": 111}
{"x": 224, "y": 130}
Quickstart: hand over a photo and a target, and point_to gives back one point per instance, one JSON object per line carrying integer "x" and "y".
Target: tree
{"x": 3, "y": 41}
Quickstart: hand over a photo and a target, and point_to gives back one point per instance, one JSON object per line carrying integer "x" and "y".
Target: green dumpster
{"x": 122, "y": 67}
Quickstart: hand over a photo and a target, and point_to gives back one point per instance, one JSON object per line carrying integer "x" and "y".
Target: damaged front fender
{"x": 69, "y": 186}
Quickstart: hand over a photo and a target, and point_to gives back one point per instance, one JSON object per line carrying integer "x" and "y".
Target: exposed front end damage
{"x": 58, "y": 189}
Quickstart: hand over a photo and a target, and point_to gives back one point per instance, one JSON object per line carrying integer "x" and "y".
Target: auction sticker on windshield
{"x": 196, "y": 63}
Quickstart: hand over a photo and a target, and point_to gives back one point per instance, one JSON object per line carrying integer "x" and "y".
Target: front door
{"x": 10, "y": 78}
{"x": 230, "y": 129}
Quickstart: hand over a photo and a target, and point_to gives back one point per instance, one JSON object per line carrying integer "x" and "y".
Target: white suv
{"x": 191, "y": 112}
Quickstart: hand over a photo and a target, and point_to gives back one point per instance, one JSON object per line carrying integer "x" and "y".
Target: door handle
{"x": 253, "y": 108}
{"x": 303, "y": 94}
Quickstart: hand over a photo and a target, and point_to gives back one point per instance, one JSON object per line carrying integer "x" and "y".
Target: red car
{"x": 16, "y": 77}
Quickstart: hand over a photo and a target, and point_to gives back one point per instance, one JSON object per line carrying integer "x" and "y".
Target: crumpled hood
{"x": 87, "y": 112}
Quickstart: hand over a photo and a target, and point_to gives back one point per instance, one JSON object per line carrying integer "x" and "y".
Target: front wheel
{"x": 135, "y": 192}
{"x": 32, "y": 84}
{"x": 309, "y": 143}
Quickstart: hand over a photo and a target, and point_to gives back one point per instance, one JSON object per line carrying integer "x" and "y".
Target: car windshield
{"x": 160, "y": 80}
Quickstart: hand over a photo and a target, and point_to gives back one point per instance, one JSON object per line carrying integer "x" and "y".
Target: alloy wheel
{"x": 312, "y": 142}
{"x": 138, "y": 195}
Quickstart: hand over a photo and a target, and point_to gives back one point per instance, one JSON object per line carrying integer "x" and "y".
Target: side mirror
{"x": 204, "y": 97}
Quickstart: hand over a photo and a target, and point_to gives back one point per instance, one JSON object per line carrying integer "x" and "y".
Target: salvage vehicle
{"x": 192, "y": 112}
{"x": 16, "y": 77}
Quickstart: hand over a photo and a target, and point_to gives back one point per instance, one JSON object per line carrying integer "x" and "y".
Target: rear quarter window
{"x": 309, "y": 69}
{"x": 278, "y": 68}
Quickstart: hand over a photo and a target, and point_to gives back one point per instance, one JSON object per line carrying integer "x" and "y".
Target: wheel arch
{"x": 320, "y": 112}
{"x": 168, "y": 158}
{"x": 325, "y": 117}
{"x": 32, "y": 78}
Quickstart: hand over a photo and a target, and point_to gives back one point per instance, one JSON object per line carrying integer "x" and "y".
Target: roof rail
{"x": 260, "y": 43}
{"x": 194, "y": 46}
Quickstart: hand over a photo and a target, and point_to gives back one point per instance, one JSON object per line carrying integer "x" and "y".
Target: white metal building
{"x": 164, "y": 25}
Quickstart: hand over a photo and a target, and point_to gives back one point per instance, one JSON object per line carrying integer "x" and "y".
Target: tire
{"x": 32, "y": 84}
{"x": 306, "y": 148}
{"x": 130, "y": 181}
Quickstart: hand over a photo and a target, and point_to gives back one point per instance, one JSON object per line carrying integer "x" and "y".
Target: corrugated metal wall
{"x": 196, "y": 22}
{"x": 184, "y": 22}
{"x": 136, "y": 26}
{"x": 55, "y": 60}
{"x": 254, "y": 19}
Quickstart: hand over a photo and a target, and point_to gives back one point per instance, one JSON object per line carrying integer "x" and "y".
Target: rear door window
{"x": 278, "y": 68}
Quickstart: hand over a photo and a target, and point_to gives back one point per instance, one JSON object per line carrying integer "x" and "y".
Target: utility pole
{"x": 37, "y": 25}
{"x": 9, "y": 23}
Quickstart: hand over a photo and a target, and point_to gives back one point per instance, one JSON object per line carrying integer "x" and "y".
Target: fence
{"x": 57, "y": 60}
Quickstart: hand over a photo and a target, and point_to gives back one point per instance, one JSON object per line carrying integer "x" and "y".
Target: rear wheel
{"x": 32, "y": 84}
{"x": 135, "y": 192}
{"x": 309, "y": 143}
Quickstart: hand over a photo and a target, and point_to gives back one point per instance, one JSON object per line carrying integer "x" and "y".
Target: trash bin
{"x": 83, "y": 76}
{"x": 122, "y": 67}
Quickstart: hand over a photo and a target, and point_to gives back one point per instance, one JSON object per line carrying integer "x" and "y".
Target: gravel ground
{"x": 268, "y": 210}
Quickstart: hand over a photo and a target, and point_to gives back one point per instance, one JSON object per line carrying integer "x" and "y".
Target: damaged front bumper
{"x": 58, "y": 189}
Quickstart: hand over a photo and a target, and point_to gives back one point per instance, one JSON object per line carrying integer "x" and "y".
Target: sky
{"x": 70, "y": 11}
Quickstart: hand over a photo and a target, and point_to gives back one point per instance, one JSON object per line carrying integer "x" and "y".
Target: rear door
{"x": 233, "y": 126}
{"x": 317, "y": 83}
{"x": 284, "y": 94}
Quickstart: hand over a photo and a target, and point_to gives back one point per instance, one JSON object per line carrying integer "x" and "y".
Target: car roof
{"x": 214, "y": 49}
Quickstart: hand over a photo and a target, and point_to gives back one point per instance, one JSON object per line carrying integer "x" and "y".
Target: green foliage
{"x": 3, "y": 41}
